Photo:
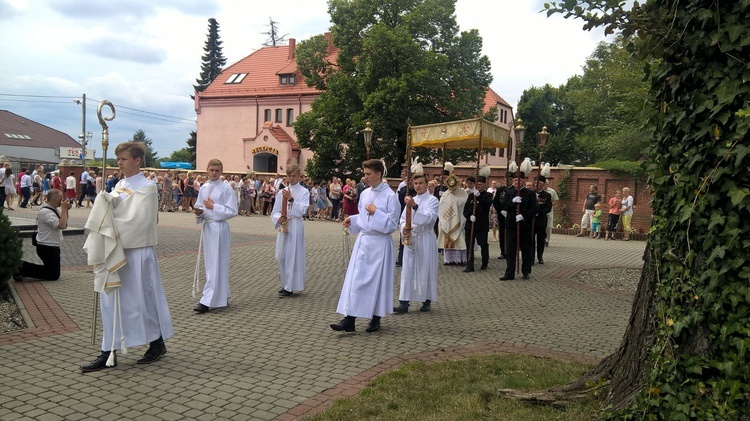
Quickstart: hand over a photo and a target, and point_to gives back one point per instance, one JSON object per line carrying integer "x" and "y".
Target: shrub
{"x": 10, "y": 252}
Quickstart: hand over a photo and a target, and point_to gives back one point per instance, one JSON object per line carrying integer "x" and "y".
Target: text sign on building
{"x": 75, "y": 153}
{"x": 261, "y": 149}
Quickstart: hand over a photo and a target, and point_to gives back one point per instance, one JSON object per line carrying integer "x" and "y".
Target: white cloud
{"x": 146, "y": 54}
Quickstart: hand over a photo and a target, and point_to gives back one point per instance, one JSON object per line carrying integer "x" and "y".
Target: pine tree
{"x": 191, "y": 147}
{"x": 213, "y": 59}
{"x": 151, "y": 156}
{"x": 273, "y": 34}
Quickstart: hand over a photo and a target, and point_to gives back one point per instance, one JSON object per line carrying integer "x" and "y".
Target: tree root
{"x": 557, "y": 397}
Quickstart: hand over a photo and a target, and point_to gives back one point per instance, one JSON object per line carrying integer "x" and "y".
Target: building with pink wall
{"x": 245, "y": 117}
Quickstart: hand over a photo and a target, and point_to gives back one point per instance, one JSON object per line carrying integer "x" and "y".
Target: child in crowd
{"x": 596, "y": 221}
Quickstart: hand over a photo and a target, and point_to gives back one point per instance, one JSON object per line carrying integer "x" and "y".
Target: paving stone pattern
{"x": 269, "y": 358}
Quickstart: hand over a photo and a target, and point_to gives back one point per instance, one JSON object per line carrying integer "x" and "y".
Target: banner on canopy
{"x": 463, "y": 134}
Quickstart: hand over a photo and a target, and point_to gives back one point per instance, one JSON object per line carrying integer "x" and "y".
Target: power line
{"x": 94, "y": 105}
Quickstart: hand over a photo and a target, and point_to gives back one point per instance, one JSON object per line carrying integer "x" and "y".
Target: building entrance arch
{"x": 265, "y": 162}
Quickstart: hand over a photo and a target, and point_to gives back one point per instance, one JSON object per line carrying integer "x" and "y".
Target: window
{"x": 286, "y": 79}
{"x": 278, "y": 115}
{"x": 236, "y": 78}
{"x": 289, "y": 116}
{"x": 267, "y": 115}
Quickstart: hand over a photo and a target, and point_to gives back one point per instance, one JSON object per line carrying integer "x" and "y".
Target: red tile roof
{"x": 16, "y": 130}
{"x": 263, "y": 68}
{"x": 493, "y": 99}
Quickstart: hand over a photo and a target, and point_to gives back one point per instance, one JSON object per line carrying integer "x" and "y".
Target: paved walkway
{"x": 270, "y": 358}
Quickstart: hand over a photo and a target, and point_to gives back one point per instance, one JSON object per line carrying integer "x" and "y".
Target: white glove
{"x": 504, "y": 213}
{"x": 473, "y": 218}
{"x": 517, "y": 199}
{"x": 476, "y": 192}
{"x": 519, "y": 218}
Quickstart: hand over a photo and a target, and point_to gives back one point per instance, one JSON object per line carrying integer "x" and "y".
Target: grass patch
{"x": 464, "y": 390}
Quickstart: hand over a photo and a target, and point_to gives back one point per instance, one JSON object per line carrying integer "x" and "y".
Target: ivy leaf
{"x": 738, "y": 194}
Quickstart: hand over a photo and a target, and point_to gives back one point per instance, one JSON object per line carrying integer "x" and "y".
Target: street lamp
{"x": 520, "y": 132}
{"x": 367, "y": 131}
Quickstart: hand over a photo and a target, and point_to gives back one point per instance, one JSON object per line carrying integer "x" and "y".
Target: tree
{"x": 547, "y": 106}
{"x": 191, "y": 147}
{"x": 684, "y": 353}
{"x": 151, "y": 155}
{"x": 611, "y": 104}
{"x": 273, "y": 34}
{"x": 213, "y": 58}
{"x": 399, "y": 63}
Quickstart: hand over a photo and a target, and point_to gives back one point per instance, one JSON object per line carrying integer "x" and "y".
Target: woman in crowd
{"x": 46, "y": 186}
{"x": 350, "y": 198}
{"x": 615, "y": 204}
{"x": 247, "y": 190}
{"x": 322, "y": 200}
{"x": 336, "y": 193}
{"x": 9, "y": 184}
{"x": 268, "y": 194}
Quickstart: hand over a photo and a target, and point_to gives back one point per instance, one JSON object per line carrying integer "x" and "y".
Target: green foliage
{"x": 400, "y": 64}
{"x": 10, "y": 252}
{"x": 594, "y": 116}
{"x": 149, "y": 160}
{"x": 213, "y": 58}
{"x": 615, "y": 166}
{"x": 699, "y": 367}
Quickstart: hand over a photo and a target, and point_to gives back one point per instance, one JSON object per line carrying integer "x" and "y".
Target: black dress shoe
{"x": 285, "y": 293}
{"x": 425, "y": 306}
{"x": 506, "y": 278}
{"x": 541, "y": 262}
{"x": 402, "y": 308}
{"x": 374, "y": 325}
{"x": 17, "y": 277}
{"x": 501, "y": 257}
{"x": 525, "y": 276}
{"x": 398, "y": 264}
{"x": 281, "y": 290}
{"x": 100, "y": 363}
{"x": 154, "y": 352}
{"x": 345, "y": 325}
{"x": 483, "y": 267}
{"x": 200, "y": 309}
{"x": 469, "y": 269}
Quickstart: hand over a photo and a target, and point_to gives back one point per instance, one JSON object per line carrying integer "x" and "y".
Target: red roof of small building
{"x": 16, "y": 130}
{"x": 492, "y": 99}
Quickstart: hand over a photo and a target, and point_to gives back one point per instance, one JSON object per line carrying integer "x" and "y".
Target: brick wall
{"x": 578, "y": 182}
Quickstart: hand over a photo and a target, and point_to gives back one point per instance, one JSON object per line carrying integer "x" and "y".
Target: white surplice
{"x": 216, "y": 240}
{"x": 368, "y": 286}
{"x": 143, "y": 305}
{"x": 420, "y": 263}
{"x": 290, "y": 246}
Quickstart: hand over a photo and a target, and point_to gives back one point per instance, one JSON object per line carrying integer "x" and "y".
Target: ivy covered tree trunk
{"x": 685, "y": 352}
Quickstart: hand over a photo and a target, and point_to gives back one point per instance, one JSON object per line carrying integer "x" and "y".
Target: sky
{"x": 144, "y": 55}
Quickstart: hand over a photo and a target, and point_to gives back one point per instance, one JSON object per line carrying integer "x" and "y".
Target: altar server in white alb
{"x": 122, "y": 248}
{"x": 216, "y": 203}
{"x": 420, "y": 264}
{"x": 368, "y": 286}
{"x": 290, "y": 240}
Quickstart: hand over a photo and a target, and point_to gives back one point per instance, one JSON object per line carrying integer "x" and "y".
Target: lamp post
{"x": 367, "y": 131}
{"x": 520, "y": 132}
{"x": 82, "y": 136}
{"x": 542, "y": 142}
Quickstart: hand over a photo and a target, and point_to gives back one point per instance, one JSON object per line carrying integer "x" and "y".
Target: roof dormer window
{"x": 286, "y": 79}
{"x": 236, "y": 78}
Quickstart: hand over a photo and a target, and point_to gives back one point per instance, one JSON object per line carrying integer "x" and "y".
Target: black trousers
{"x": 501, "y": 236}
{"x": 2, "y": 198}
{"x": 50, "y": 270}
{"x": 481, "y": 239}
{"x": 26, "y": 191}
{"x": 539, "y": 240}
{"x": 82, "y": 195}
{"x": 510, "y": 234}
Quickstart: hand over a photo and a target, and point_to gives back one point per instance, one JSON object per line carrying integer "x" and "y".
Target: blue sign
{"x": 176, "y": 165}
{"x": 80, "y": 155}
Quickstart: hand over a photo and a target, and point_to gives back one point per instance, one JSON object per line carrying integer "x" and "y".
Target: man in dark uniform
{"x": 402, "y": 191}
{"x": 497, "y": 202}
{"x": 516, "y": 220}
{"x": 544, "y": 201}
{"x": 480, "y": 221}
